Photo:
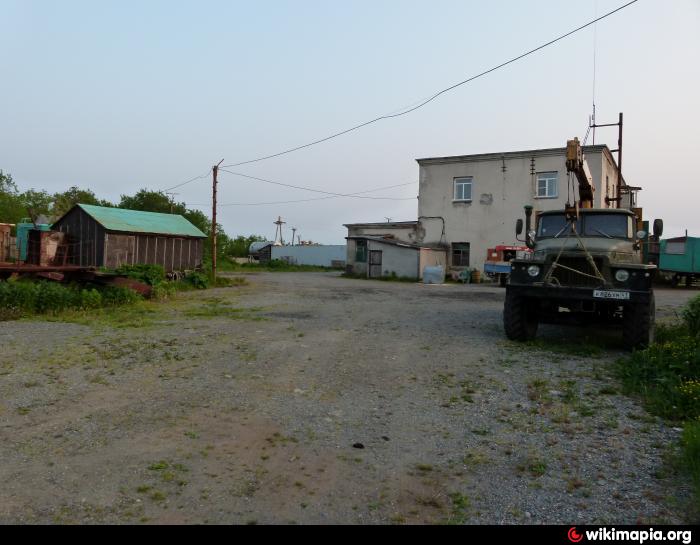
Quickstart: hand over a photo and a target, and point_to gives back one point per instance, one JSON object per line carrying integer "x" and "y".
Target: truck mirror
{"x": 518, "y": 227}
{"x": 658, "y": 227}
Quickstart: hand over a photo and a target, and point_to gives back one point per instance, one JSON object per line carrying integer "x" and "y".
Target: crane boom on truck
{"x": 576, "y": 164}
{"x": 585, "y": 266}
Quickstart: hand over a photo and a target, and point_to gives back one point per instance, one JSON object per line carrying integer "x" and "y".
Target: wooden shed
{"x": 100, "y": 236}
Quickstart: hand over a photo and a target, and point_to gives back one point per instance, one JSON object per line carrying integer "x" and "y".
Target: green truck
{"x": 679, "y": 258}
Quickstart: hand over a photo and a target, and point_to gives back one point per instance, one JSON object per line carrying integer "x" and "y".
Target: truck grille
{"x": 570, "y": 278}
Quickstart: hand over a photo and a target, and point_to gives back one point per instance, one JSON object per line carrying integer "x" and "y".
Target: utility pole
{"x": 172, "y": 200}
{"x": 279, "y": 223}
{"x": 617, "y": 199}
{"x": 294, "y": 230}
{"x": 214, "y": 174}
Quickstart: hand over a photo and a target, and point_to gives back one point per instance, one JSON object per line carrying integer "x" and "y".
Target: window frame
{"x": 547, "y": 176}
{"x": 462, "y": 181}
{"x": 460, "y": 251}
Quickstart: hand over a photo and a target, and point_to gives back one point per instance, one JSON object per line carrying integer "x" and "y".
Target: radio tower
{"x": 279, "y": 241}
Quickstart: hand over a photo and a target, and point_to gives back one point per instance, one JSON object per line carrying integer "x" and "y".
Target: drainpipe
{"x": 528, "y": 226}
{"x": 442, "y": 236}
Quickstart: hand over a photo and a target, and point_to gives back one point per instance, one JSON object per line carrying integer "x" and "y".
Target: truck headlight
{"x": 533, "y": 270}
{"x": 622, "y": 275}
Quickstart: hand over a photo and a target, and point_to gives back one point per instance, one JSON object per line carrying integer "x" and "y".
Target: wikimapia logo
{"x": 635, "y": 536}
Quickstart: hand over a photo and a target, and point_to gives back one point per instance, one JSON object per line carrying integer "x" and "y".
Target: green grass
{"x": 666, "y": 377}
{"x": 275, "y": 265}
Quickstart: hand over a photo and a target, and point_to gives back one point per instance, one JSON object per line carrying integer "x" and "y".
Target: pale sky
{"x": 116, "y": 96}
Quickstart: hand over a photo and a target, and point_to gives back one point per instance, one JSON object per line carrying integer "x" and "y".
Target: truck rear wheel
{"x": 519, "y": 317}
{"x": 638, "y": 324}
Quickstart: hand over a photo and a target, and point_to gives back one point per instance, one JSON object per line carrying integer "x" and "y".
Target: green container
{"x": 680, "y": 255}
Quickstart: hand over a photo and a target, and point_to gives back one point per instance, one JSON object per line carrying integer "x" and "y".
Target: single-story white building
{"x": 377, "y": 257}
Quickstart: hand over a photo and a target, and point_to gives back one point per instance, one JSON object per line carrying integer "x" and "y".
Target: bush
{"x": 149, "y": 274}
{"x": 197, "y": 280}
{"x": 114, "y": 296}
{"x": 691, "y": 316}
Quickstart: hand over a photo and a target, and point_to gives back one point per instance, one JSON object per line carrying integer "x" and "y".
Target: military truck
{"x": 586, "y": 266}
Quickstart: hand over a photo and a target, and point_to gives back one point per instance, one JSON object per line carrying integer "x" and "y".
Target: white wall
{"x": 498, "y": 197}
{"x": 321, "y": 256}
{"x": 399, "y": 260}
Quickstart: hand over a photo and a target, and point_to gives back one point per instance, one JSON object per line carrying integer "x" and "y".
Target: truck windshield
{"x": 590, "y": 225}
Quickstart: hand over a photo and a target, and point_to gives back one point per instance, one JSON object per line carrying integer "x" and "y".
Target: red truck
{"x": 498, "y": 259}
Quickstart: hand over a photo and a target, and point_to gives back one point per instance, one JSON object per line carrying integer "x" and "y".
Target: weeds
{"x": 23, "y": 298}
{"x": 667, "y": 378}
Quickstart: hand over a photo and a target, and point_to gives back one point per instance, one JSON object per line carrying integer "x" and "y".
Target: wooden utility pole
{"x": 214, "y": 173}
{"x": 294, "y": 230}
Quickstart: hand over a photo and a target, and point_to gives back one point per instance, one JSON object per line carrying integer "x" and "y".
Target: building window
{"x": 463, "y": 189}
{"x": 460, "y": 254}
{"x": 361, "y": 251}
{"x": 547, "y": 185}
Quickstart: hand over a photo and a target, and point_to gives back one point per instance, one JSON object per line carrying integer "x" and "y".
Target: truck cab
{"x": 586, "y": 265}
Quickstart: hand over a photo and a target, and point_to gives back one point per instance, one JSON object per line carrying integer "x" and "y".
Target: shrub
{"x": 197, "y": 280}
{"x": 691, "y": 316}
{"x": 150, "y": 274}
{"x": 90, "y": 299}
{"x": 115, "y": 296}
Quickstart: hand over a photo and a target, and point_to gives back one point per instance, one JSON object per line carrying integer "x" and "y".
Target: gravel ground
{"x": 310, "y": 398}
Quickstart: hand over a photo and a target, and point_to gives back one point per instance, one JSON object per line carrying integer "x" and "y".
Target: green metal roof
{"x": 136, "y": 221}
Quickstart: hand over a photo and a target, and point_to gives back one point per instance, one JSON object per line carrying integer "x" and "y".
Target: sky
{"x": 123, "y": 95}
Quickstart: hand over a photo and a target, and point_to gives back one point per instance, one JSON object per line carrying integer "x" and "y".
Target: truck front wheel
{"x": 638, "y": 323}
{"x": 519, "y": 317}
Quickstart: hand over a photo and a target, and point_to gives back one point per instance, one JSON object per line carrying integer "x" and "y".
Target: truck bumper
{"x": 562, "y": 293}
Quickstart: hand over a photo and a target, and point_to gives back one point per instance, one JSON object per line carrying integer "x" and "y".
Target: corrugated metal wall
{"x": 85, "y": 236}
{"x": 91, "y": 246}
{"x": 173, "y": 253}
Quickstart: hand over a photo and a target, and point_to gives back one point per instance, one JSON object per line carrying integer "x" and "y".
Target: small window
{"x": 547, "y": 185}
{"x": 463, "y": 189}
{"x": 460, "y": 254}
{"x": 361, "y": 251}
{"x": 675, "y": 248}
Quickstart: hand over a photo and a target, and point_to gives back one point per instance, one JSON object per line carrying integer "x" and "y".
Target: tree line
{"x": 16, "y": 205}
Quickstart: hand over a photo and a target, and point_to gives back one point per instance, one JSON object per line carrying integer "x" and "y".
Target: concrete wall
{"x": 396, "y": 260}
{"x": 399, "y": 232}
{"x": 502, "y": 185}
{"x": 322, "y": 256}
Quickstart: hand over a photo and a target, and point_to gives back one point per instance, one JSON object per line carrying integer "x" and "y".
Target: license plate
{"x": 607, "y": 294}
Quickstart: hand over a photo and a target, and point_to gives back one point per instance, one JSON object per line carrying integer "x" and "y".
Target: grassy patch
{"x": 666, "y": 376}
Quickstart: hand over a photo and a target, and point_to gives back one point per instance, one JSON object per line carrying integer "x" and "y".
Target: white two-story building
{"x": 470, "y": 203}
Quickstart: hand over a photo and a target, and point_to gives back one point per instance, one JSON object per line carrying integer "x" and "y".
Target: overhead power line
{"x": 420, "y": 104}
{"x": 264, "y": 180}
{"x": 205, "y": 175}
{"x": 436, "y": 95}
{"x": 338, "y": 196}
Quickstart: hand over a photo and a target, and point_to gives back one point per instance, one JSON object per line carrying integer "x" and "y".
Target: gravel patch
{"x": 310, "y": 398}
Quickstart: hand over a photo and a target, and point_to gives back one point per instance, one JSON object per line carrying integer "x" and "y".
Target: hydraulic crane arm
{"x": 576, "y": 163}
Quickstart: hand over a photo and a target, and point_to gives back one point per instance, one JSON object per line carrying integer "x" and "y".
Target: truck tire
{"x": 519, "y": 319}
{"x": 638, "y": 324}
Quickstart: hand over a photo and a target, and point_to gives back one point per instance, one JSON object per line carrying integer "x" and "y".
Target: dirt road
{"x": 310, "y": 398}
